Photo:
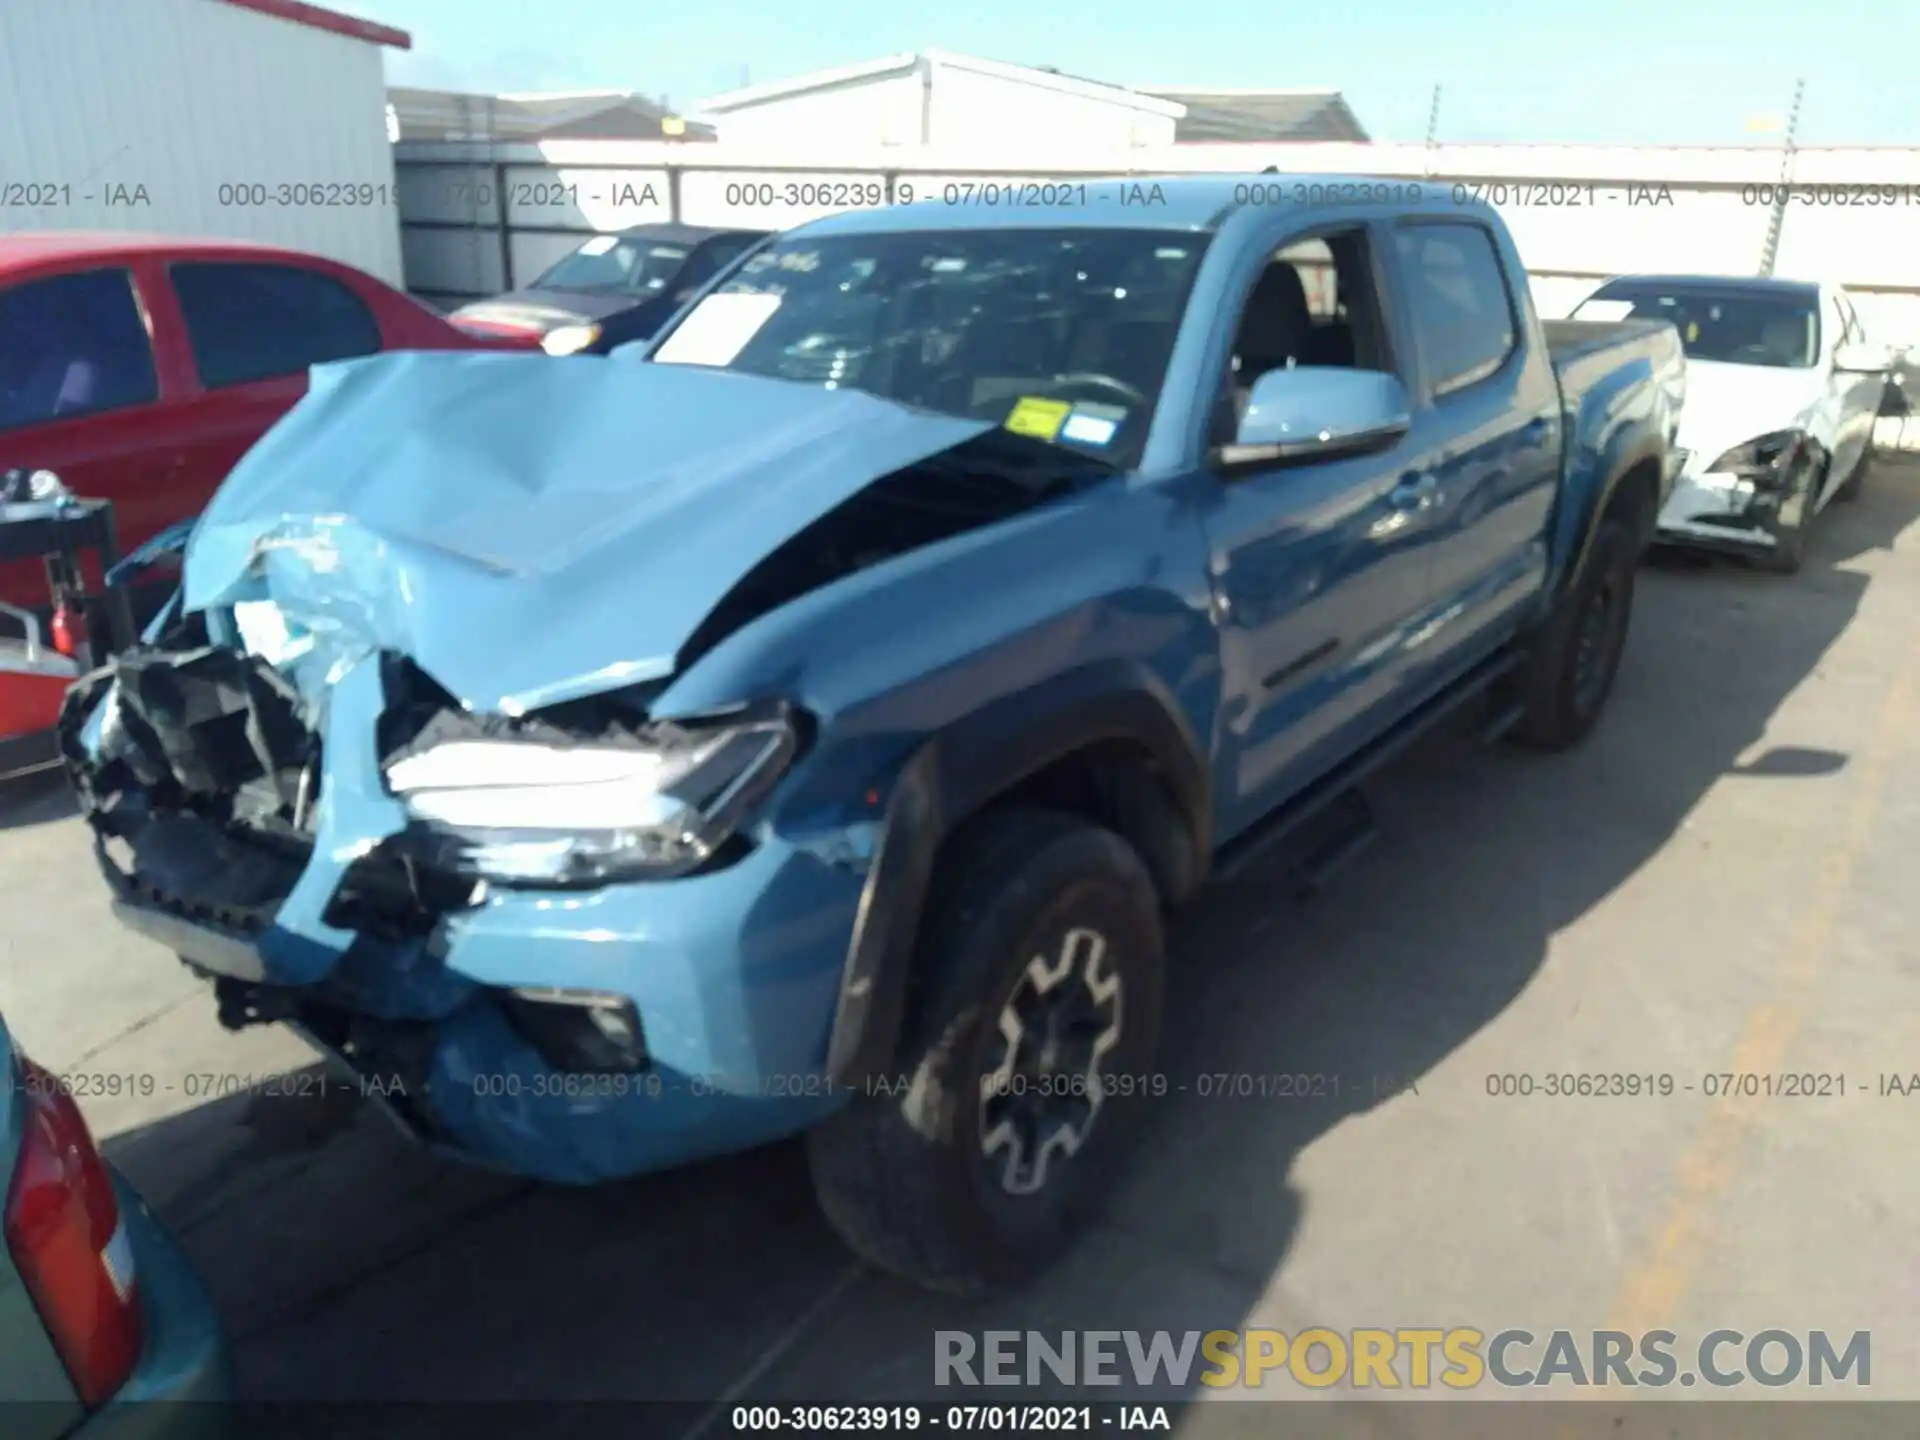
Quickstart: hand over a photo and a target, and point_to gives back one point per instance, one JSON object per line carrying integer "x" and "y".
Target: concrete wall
{"x": 196, "y": 118}
{"x": 1578, "y": 213}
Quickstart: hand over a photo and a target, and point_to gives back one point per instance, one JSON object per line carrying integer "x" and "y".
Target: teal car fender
{"x": 182, "y": 1379}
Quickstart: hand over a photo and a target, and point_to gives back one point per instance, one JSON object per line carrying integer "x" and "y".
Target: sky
{"x": 1688, "y": 72}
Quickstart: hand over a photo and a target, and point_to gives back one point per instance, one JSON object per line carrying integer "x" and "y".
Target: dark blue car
{"x": 810, "y": 722}
{"x": 612, "y": 290}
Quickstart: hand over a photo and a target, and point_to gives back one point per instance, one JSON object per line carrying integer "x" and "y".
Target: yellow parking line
{"x": 1649, "y": 1298}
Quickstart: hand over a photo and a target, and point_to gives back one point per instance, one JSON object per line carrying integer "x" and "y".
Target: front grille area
{"x": 198, "y": 870}
{"x": 390, "y": 896}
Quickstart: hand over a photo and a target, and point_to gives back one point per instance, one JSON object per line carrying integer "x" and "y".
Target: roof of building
{"x": 1044, "y": 77}
{"x": 564, "y": 115}
{"x": 1225, "y": 115}
{"x": 320, "y": 18}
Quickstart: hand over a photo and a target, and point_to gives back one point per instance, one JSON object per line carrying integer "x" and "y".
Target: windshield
{"x": 1063, "y": 335}
{"x": 617, "y": 262}
{"x": 1738, "y": 327}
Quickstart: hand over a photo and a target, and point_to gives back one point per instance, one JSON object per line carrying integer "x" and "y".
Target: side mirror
{"x": 1856, "y": 357}
{"x": 1314, "y": 412}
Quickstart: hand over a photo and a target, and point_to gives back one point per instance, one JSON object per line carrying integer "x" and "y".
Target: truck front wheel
{"x": 1035, "y": 1021}
{"x": 1571, "y": 666}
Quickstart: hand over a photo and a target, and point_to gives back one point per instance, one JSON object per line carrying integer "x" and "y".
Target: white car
{"x": 1782, "y": 391}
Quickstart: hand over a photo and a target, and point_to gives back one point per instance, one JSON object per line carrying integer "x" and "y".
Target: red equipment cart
{"x": 53, "y": 646}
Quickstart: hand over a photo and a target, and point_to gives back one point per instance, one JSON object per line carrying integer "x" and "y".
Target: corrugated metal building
{"x": 251, "y": 119}
{"x": 935, "y": 97}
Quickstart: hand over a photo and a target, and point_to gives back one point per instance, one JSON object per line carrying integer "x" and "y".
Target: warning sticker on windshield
{"x": 1039, "y": 418}
{"x": 717, "y": 330}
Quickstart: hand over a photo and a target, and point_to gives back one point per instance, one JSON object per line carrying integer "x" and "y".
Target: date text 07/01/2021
{"x": 1711, "y": 1085}
{"x": 319, "y": 1083}
{"x": 960, "y": 1419}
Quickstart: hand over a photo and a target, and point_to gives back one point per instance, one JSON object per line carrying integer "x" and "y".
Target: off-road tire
{"x": 1560, "y": 700}
{"x": 902, "y": 1176}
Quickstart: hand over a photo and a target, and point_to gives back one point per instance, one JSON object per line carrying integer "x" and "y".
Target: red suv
{"x": 139, "y": 368}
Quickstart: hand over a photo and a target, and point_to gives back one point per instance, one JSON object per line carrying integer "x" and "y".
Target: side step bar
{"x": 1345, "y": 824}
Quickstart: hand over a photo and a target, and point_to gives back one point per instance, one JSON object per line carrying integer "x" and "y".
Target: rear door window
{"x": 1463, "y": 318}
{"x": 73, "y": 345}
{"x": 249, "y": 321}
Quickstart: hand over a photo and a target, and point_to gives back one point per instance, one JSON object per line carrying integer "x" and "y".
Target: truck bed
{"x": 1601, "y": 364}
{"x": 1571, "y": 339}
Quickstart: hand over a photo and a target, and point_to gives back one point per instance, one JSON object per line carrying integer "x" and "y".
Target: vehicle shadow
{"x": 350, "y": 1266}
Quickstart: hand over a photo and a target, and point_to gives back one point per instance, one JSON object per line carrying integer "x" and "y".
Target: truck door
{"x": 1487, "y": 401}
{"x": 1318, "y": 568}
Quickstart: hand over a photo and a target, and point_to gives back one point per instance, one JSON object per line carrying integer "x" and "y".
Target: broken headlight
{"x": 531, "y": 811}
{"x": 1763, "y": 459}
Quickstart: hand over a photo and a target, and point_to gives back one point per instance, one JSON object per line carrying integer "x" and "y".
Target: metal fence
{"x": 478, "y": 218}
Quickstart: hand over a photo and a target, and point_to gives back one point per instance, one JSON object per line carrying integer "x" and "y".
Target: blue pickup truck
{"x": 807, "y": 724}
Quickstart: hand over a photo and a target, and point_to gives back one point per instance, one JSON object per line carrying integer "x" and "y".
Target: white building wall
{"x": 970, "y": 108}
{"x": 883, "y": 110}
{"x": 189, "y": 117}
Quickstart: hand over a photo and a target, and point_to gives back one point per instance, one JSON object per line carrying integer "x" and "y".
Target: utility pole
{"x": 1433, "y": 129}
{"x": 1778, "y": 219}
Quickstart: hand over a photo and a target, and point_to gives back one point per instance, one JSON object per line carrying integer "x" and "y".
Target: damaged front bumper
{"x": 567, "y": 1033}
{"x": 1727, "y": 510}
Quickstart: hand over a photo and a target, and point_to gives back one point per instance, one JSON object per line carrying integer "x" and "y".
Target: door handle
{"x": 1414, "y": 492}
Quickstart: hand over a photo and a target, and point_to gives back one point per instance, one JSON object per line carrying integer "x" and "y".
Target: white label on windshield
{"x": 1089, "y": 429}
{"x": 717, "y": 330}
{"x": 599, "y": 245}
{"x": 1603, "y": 310}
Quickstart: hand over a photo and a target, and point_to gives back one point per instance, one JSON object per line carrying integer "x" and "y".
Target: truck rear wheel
{"x": 1039, "y": 1000}
{"x": 1570, "y": 671}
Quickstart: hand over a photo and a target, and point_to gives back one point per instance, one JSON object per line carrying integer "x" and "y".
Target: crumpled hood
{"x": 530, "y": 529}
{"x": 1729, "y": 404}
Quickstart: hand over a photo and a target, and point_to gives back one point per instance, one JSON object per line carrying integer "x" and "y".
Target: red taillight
{"x": 65, "y": 1234}
{"x": 69, "y": 629}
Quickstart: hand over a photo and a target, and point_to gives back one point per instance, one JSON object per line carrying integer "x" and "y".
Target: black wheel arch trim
{"x": 1649, "y": 454}
{"x": 955, "y": 775}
